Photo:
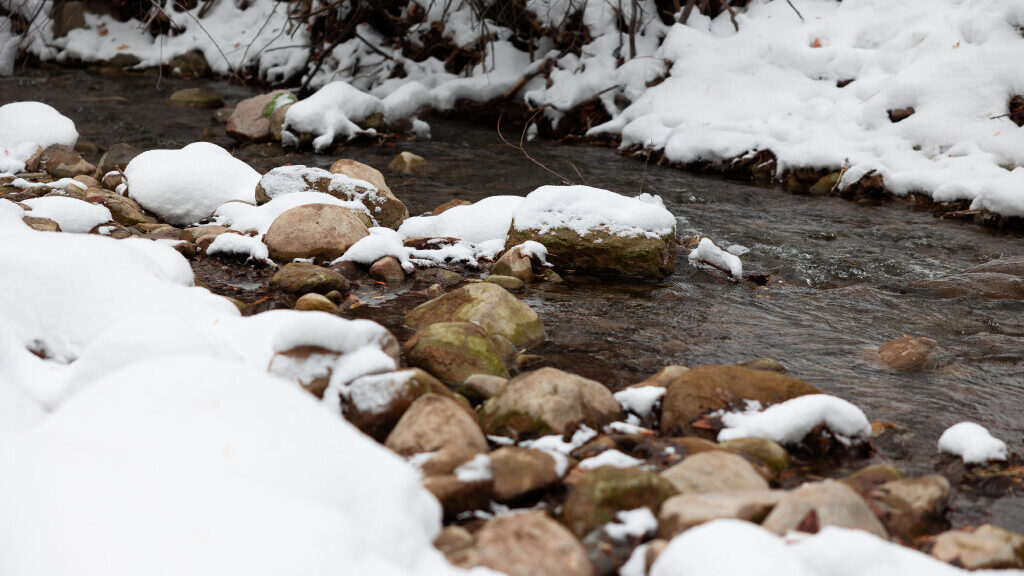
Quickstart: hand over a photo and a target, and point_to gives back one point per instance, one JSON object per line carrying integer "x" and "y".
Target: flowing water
{"x": 838, "y": 271}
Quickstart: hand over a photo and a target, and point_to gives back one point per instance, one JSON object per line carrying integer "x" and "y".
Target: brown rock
{"x": 315, "y": 302}
{"x": 906, "y": 353}
{"x": 492, "y": 307}
{"x": 302, "y": 278}
{"x": 449, "y": 205}
{"x": 191, "y": 64}
{"x": 67, "y": 16}
{"x": 41, "y": 224}
{"x": 868, "y": 478}
{"x": 320, "y": 231}
{"x": 662, "y": 378}
{"x": 249, "y": 121}
{"x": 908, "y": 507}
{"x": 63, "y": 162}
{"x": 388, "y": 269}
{"x": 376, "y": 402}
{"x": 198, "y": 98}
{"x": 714, "y": 471}
{"x": 680, "y": 513}
{"x": 973, "y": 284}
{"x": 520, "y": 472}
{"x": 391, "y": 212}
{"x": 768, "y": 364}
{"x": 454, "y": 351}
{"x": 816, "y": 505}
{"x": 115, "y": 158}
{"x": 514, "y": 263}
{"x": 989, "y": 547}
{"x": 603, "y": 492}
{"x": 527, "y": 544}
{"x": 407, "y": 163}
{"x": 479, "y": 387}
{"x": 452, "y": 539}
{"x": 433, "y": 422}
{"x": 277, "y": 118}
{"x": 194, "y": 233}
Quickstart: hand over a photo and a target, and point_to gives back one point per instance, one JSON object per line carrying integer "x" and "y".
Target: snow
{"x": 488, "y": 219}
{"x": 251, "y": 247}
{"x": 611, "y": 457}
{"x": 534, "y": 251}
{"x": 632, "y": 524}
{"x": 27, "y": 126}
{"x": 332, "y": 112}
{"x": 478, "y": 469}
{"x": 711, "y": 550}
{"x": 640, "y": 400}
{"x": 707, "y": 251}
{"x": 187, "y": 185}
{"x": 247, "y": 218}
{"x": 972, "y": 442}
{"x": 293, "y": 179}
{"x": 790, "y": 421}
{"x": 372, "y": 394}
{"x": 554, "y": 443}
{"x": 71, "y": 214}
{"x": 583, "y": 209}
{"x": 61, "y": 184}
{"x": 380, "y": 243}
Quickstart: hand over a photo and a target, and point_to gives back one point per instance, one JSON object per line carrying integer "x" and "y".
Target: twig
{"x": 795, "y": 10}
{"x": 690, "y": 4}
{"x": 255, "y": 36}
{"x": 582, "y": 179}
{"x": 372, "y": 47}
{"x": 732, "y": 13}
{"x": 644, "y": 177}
{"x": 522, "y": 149}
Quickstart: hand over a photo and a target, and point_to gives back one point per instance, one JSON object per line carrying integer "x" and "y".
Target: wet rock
{"x": 605, "y": 491}
{"x": 67, "y": 16}
{"x": 194, "y": 233}
{"x": 549, "y": 401}
{"x": 63, "y": 162}
{"x": 770, "y": 455}
{"x": 41, "y": 224}
{"x": 388, "y": 269}
{"x": 479, "y": 387}
{"x": 320, "y": 231}
{"x": 826, "y": 184}
{"x": 767, "y": 364}
{"x": 116, "y": 157}
{"x": 974, "y": 284}
{"x": 506, "y": 282}
{"x": 514, "y": 263}
{"x": 680, "y": 513}
{"x": 222, "y": 115}
{"x": 302, "y": 278}
{"x": 987, "y": 548}
{"x": 277, "y": 118}
{"x": 123, "y": 209}
{"x": 550, "y": 275}
{"x": 1012, "y": 265}
{"x": 391, "y": 212}
{"x": 527, "y": 544}
{"x": 870, "y": 477}
{"x": 662, "y": 378}
{"x": 814, "y": 506}
{"x": 900, "y": 114}
{"x": 407, "y": 163}
{"x": 315, "y": 302}
{"x": 714, "y": 471}
{"x": 191, "y": 64}
{"x": 485, "y": 304}
{"x": 375, "y": 403}
{"x": 87, "y": 149}
{"x": 909, "y": 507}
{"x": 432, "y": 422}
{"x": 870, "y": 189}
{"x": 906, "y": 353}
{"x": 198, "y": 97}
{"x": 602, "y": 252}
{"x": 250, "y": 120}
{"x": 707, "y": 388}
{"x": 120, "y": 62}
{"x": 433, "y": 291}
{"x": 440, "y": 209}
{"x": 520, "y": 472}
{"x": 453, "y": 351}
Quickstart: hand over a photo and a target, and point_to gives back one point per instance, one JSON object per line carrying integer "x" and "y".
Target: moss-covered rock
{"x": 454, "y": 351}
{"x": 602, "y": 252}
{"x": 603, "y": 492}
{"x": 488, "y": 305}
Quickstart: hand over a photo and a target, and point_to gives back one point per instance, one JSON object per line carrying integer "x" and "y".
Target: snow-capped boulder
{"x": 72, "y": 214}
{"x": 28, "y": 127}
{"x": 375, "y": 403}
{"x": 333, "y": 112}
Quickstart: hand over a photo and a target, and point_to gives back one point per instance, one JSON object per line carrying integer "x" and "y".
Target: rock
{"x": 198, "y": 97}
{"x": 311, "y": 366}
{"x": 662, "y": 378}
{"x": 603, "y": 252}
{"x": 191, "y": 64}
{"x": 767, "y": 364}
{"x": 701, "y": 390}
{"x": 277, "y": 118}
{"x": 987, "y": 548}
{"x": 770, "y": 454}
{"x": 514, "y": 263}
{"x": 388, "y": 269}
{"x": 906, "y": 353}
{"x": 302, "y": 278}
{"x": 680, "y": 513}
{"x": 116, "y": 157}
{"x": 441, "y": 208}
{"x": 121, "y": 61}
{"x": 973, "y": 284}
{"x": 194, "y": 233}
{"x": 826, "y": 184}
{"x": 448, "y": 278}
{"x": 434, "y": 291}
{"x": 251, "y": 119}
{"x": 605, "y": 491}
{"x": 479, "y": 387}
{"x": 222, "y": 115}
{"x": 87, "y": 149}
{"x": 67, "y": 16}
{"x": 868, "y": 478}
{"x": 320, "y": 231}
{"x": 549, "y": 401}
{"x": 520, "y": 472}
{"x": 714, "y": 471}
{"x": 432, "y": 422}
{"x": 407, "y": 163}
{"x": 123, "y": 209}
{"x": 900, "y": 114}
{"x": 452, "y": 539}
{"x": 391, "y": 212}
{"x": 1012, "y": 265}
{"x": 527, "y": 544}
{"x": 816, "y": 505}
{"x": 506, "y": 282}
{"x": 460, "y": 478}
{"x": 375, "y": 403}
{"x": 41, "y": 224}
{"x": 63, "y": 162}
{"x": 485, "y": 304}
{"x": 454, "y": 351}
{"x": 550, "y": 275}
{"x": 457, "y": 496}
{"x": 315, "y": 302}
{"x": 908, "y": 507}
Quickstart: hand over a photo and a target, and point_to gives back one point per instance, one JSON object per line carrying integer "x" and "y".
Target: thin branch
{"x": 644, "y": 178}
{"x": 795, "y": 10}
{"x": 522, "y": 149}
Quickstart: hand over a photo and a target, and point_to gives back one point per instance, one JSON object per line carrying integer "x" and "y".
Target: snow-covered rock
{"x": 72, "y": 214}
{"x": 790, "y": 421}
{"x": 26, "y": 127}
{"x": 708, "y": 253}
{"x": 972, "y": 442}
{"x": 331, "y": 113}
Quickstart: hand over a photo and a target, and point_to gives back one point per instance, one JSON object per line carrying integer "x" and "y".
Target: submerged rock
{"x": 320, "y": 231}
{"x": 198, "y": 97}
{"x": 488, "y": 305}
{"x": 602, "y": 252}
{"x": 976, "y": 284}
{"x": 603, "y": 492}
{"x": 906, "y": 353}
{"x": 454, "y": 351}
{"x": 407, "y": 163}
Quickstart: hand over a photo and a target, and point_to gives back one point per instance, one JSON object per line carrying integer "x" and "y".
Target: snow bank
{"x": 583, "y": 209}
{"x": 72, "y": 214}
{"x": 331, "y": 113}
{"x": 187, "y": 185}
{"x": 707, "y": 252}
{"x": 972, "y": 442}
{"x": 790, "y": 421}
{"x": 27, "y": 126}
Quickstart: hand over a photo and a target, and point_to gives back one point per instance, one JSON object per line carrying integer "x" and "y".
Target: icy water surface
{"x": 839, "y": 271}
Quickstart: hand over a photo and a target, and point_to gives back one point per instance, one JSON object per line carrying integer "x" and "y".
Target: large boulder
{"x": 708, "y": 388}
{"x": 525, "y": 544}
{"x": 375, "y": 403}
{"x": 319, "y": 231}
{"x": 549, "y": 401}
{"x": 680, "y": 513}
{"x": 490, "y": 306}
{"x": 987, "y": 548}
{"x": 603, "y": 492}
{"x": 714, "y": 471}
{"x": 814, "y": 506}
{"x": 454, "y": 351}
{"x": 251, "y": 117}
{"x": 432, "y": 422}
{"x": 520, "y": 472}
{"x": 302, "y": 278}
{"x": 390, "y": 211}
{"x": 910, "y": 506}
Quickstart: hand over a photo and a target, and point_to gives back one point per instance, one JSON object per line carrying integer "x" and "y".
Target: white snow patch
{"x": 611, "y": 457}
{"x": 972, "y": 442}
{"x": 478, "y": 469}
{"x": 790, "y": 421}
{"x": 251, "y": 247}
{"x": 380, "y": 243}
{"x": 27, "y": 126}
{"x": 632, "y": 524}
{"x": 332, "y": 112}
{"x": 71, "y": 214}
{"x": 247, "y": 218}
{"x": 372, "y": 394}
{"x": 583, "y": 209}
{"x": 640, "y": 400}
{"x": 707, "y": 251}
{"x": 555, "y": 443}
{"x": 488, "y": 219}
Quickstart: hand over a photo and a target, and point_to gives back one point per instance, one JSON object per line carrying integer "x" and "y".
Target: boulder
{"x": 816, "y": 505}
{"x": 525, "y": 544}
{"x": 432, "y": 422}
{"x": 407, "y": 163}
{"x": 375, "y": 403}
{"x": 485, "y": 304}
{"x": 319, "y": 231}
{"x": 987, "y": 548}
{"x": 41, "y": 224}
{"x": 123, "y": 209}
{"x": 312, "y": 366}
{"x": 479, "y": 387}
{"x": 191, "y": 64}
{"x": 198, "y": 97}
{"x": 514, "y": 263}
{"x": 714, "y": 471}
{"x": 454, "y": 351}
{"x": 772, "y": 456}
{"x": 390, "y": 211}
{"x": 520, "y": 472}
{"x": 460, "y": 478}
{"x": 313, "y": 302}
{"x": 250, "y": 120}
{"x": 910, "y": 506}
{"x": 680, "y": 513}
{"x": 115, "y": 158}
{"x": 706, "y": 389}
{"x": 67, "y": 16}
{"x": 549, "y": 401}
{"x": 388, "y": 269}
{"x": 906, "y": 353}
{"x": 603, "y": 252}
{"x": 63, "y": 162}
{"x": 302, "y": 278}
{"x": 506, "y": 282}
{"x": 277, "y": 118}
{"x": 868, "y": 478}
{"x": 603, "y": 492}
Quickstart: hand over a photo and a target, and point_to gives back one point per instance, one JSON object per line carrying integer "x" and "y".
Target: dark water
{"x": 839, "y": 271}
